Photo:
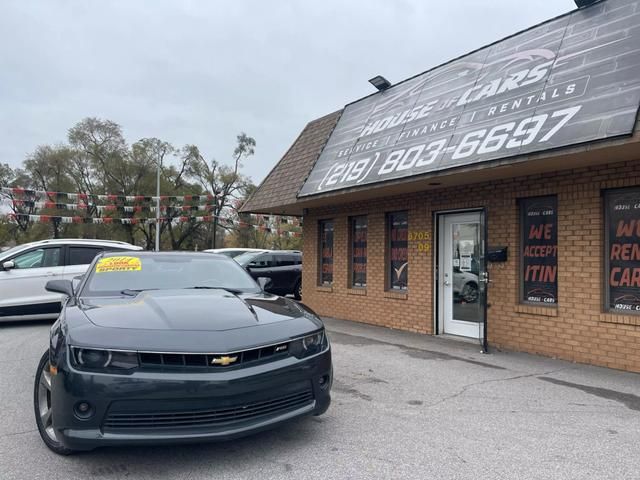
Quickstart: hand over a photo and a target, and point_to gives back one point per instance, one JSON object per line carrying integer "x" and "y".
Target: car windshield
{"x": 246, "y": 258}
{"x": 129, "y": 274}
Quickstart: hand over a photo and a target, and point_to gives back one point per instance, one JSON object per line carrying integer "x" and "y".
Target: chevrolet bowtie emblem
{"x": 225, "y": 360}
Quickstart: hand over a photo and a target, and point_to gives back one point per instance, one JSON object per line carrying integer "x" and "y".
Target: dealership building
{"x": 494, "y": 198}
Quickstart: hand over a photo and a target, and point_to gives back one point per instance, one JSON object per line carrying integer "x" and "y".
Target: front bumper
{"x": 161, "y": 407}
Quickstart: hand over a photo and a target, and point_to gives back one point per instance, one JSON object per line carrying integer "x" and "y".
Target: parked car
{"x": 175, "y": 347}
{"x": 233, "y": 252}
{"x": 25, "y": 269}
{"x": 283, "y": 268}
{"x": 465, "y": 286}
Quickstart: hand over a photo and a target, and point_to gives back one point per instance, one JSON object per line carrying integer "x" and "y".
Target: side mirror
{"x": 263, "y": 281}
{"x": 76, "y": 281}
{"x": 8, "y": 265}
{"x": 64, "y": 287}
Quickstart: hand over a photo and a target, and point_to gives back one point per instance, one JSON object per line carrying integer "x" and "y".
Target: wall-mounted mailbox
{"x": 497, "y": 254}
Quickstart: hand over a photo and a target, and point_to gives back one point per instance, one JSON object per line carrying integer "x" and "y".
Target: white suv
{"x": 25, "y": 269}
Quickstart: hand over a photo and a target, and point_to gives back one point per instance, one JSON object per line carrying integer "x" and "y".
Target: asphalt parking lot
{"x": 404, "y": 406}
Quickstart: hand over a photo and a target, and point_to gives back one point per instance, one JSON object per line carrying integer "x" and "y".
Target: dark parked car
{"x": 283, "y": 268}
{"x": 157, "y": 348}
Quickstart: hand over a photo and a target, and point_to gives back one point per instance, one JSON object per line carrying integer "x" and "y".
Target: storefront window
{"x": 539, "y": 250}
{"x": 397, "y": 254}
{"x": 622, "y": 249}
{"x": 326, "y": 252}
{"x": 359, "y": 251}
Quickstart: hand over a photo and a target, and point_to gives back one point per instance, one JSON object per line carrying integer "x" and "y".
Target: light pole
{"x": 159, "y": 164}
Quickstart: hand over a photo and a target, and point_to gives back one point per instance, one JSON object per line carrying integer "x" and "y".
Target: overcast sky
{"x": 201, "y": 71}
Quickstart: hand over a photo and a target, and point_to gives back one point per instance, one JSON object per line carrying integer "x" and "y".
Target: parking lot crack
{"x": 13, "y": 434}
{"x": 492, "y": 380}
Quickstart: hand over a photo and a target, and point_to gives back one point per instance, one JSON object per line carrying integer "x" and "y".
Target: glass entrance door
{"x": 462, "y": 274}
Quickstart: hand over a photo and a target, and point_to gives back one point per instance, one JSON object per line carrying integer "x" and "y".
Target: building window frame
{"x": 326, "y": 231}
{"x": 393, "y": 250}
{"x": 632, "y": 194}
{"x": 358, "y": 245}
{"x": 524, "y": 205}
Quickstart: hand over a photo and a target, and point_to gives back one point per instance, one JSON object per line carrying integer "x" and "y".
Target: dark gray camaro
{"x": 175, "y": 347}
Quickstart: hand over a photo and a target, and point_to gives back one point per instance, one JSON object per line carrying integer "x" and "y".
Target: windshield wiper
{"x": 235, "y": 291}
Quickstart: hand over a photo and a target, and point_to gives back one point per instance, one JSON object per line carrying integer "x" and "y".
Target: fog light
{"x": 83, "y": 410}
{"x": 323, "y": 381}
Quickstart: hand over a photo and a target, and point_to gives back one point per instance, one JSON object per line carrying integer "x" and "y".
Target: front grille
{"x": 214, "y": 361}
{"x": 203, "y": 418}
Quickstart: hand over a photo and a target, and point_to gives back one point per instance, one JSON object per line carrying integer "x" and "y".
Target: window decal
{"x": 359, "y": 251}
{"x": 398, "y": 231}
{"x": 539, "y": 250}
{"x": 622, "y": 248}
{"x": 326, "y": 252}
{"x": 118, "y": 264}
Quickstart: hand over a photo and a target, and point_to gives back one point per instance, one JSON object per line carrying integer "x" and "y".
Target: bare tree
{"x": 97, "y": 160}
{"x": 225, "y": 182}
{"x": 48, "y": 167}
{"x": 13, "y": 178}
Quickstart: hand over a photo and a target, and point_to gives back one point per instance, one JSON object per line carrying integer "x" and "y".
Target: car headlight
{"x": 98, "y": 359}
{"x": 309, "y": 345}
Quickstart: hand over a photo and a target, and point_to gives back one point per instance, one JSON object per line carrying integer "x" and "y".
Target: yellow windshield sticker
{"x": 118, "y": 264}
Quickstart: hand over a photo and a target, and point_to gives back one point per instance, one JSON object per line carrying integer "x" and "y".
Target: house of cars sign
{"x": 571, "y": 80}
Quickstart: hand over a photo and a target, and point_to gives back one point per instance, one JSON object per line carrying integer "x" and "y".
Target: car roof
{"x": 79, "y": 241}
{"x": 83, "y": 240}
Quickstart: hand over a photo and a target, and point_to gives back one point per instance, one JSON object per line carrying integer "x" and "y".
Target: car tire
{"x": 297, "y": 291}
{"x": 469, "y": 292}
{"x": 42, "y": 407}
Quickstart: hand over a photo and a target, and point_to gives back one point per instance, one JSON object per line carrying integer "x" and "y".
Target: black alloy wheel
{"x": 42, "y": 406}
{"x": 469, "y": 292}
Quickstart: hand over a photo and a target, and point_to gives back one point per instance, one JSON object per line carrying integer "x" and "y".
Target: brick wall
{"x": 575, "y": 330}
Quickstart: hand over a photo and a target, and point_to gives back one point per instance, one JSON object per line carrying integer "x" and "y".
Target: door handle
{"x": 447, "y": 283}
{"x": 485, "y": 278}
{"x": 50, "y": 274}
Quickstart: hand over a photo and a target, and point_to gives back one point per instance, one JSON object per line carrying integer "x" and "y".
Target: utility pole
{"x": 159, "y": 164}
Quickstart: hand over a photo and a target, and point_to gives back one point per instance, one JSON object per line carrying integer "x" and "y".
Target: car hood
{"x": 187, "y": 320}
{"x": 203, "y": 310}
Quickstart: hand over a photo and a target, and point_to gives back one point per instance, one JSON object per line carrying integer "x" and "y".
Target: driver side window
{"x": 39, "y": 258}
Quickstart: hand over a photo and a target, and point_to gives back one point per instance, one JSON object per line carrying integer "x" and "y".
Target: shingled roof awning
{"x": 277, "y": 194}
